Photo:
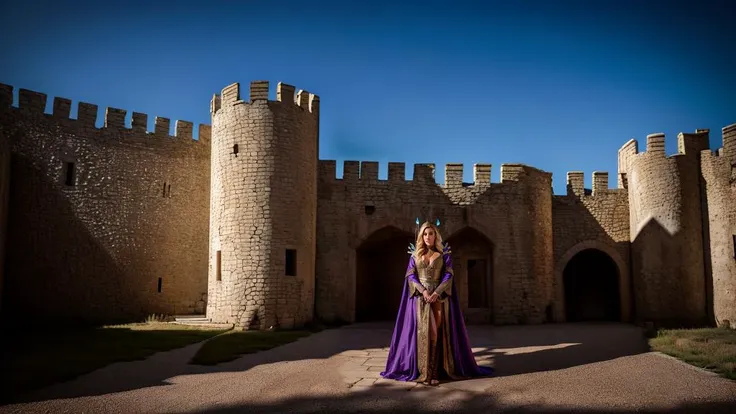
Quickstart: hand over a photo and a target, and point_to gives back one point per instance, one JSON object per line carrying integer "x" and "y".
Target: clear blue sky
{"x": 554, "y": 84}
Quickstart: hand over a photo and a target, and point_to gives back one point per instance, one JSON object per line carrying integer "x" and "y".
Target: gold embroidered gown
{"x": 412, "y": 354}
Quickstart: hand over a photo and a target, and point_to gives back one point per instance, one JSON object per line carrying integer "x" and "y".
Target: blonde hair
{"x": 421, "y": 248}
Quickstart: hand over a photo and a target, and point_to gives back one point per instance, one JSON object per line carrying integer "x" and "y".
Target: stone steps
{"x": 199, "y": 320}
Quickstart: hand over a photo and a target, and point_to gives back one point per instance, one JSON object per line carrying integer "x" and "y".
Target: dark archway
{"x": 592, "y": 291}
{"x": 381, "y": 266}
{"x": 472, "y": 255}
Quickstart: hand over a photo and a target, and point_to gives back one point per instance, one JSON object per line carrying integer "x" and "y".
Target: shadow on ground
{"x": 512, "y": 350}
{"x": 386, "y": 399}
{"x": 516, "y": 350}
{"x": 31, "y": 359}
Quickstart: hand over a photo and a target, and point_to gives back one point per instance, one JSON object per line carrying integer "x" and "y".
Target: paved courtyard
{"x": 546, "y": 368}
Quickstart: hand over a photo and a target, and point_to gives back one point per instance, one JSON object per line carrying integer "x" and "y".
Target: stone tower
{"x": 263, "y": 208}
{"x": 666, "y": 228}
{"x": 719, "y": 170}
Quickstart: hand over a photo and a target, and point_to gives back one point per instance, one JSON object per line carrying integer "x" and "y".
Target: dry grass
{"x": 233, "y": 344}
{"x": 710, "y": 348}
{"x": 33, "y": 359}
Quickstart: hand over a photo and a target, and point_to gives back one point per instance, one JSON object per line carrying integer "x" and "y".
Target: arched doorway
{"x": 592, "y": 292}
{"x": 472, "y": 255}
{"x": 381, "y": 262}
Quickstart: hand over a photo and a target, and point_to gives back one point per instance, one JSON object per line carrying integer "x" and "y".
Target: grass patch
{"x": 233, "y": 344}
{"x": 710, "y": 348}
{"x": 33, "y": 359}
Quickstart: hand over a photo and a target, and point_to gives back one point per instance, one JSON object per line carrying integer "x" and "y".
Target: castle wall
{"x": 591, "y": 220}
{"x": 720, "y": 215}
{"x": 107, "y": 223}
{"x": 112, "y": 223}
{"x": 4, "y": 198}
{"x": 666, "y": 229}
{"x": 264, "y": 195}
{"x": 513, "y": 218}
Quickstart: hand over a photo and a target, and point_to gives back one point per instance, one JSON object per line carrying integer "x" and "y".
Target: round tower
{"x": 263, "y": 207}
{"x": 666, "y": 229}
{"x": 721, "y": 230}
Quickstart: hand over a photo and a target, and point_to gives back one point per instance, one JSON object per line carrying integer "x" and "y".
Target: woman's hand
{"x": 426, "y": 296}
{"x": 433, "y": 297}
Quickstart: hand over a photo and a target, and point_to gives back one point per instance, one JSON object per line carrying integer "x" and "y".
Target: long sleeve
{"x": 413, "y": 280}
{"x": 447, "y": 278}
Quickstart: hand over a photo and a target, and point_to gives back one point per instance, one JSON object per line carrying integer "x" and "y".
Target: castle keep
{"x": 104, "y": 221}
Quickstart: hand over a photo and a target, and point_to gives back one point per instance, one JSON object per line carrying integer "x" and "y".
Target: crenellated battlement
{"x": 34, "y": 104}
{"x": 423, "y": 173}
{"x": 728, "y": 134}
{"x": 259, "y": 92}
{"x": 6, "y": 95}
{"x": 687, "y": 144}
{"x": 576, "y": 184}
{"x": 693, "y": 143}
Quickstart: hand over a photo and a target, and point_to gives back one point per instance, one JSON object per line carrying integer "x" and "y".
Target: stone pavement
{"x": 544, "y": 368}
{"x": 362, "y": 368}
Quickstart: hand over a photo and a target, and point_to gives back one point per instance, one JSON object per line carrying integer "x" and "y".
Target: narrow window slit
{"x": 290, "y": 268}
{"x": 70, "y": 176}
{"x": 219, "y": 265}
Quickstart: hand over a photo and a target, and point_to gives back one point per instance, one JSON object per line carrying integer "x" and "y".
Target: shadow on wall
{"x": 512, "y": 350}
{"x": 662, "y": 294}
{"x": 474, "y": 269}
{"x": 381, "y": 261}
{"x": 55, "y": 269}
{"x": 583, "y": 250}
{"x": 707, "y": 254}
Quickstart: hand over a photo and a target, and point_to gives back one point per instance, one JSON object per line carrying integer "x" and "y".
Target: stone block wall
{"x": 666, "y": 229}
{"x": 4, "y": 197}
{"x": 111, "y": 223}
{"x": 105, "y": 223}
{"x": 512, "y": 219}
{"x": 597, "y": 219}
{"x": 263, "y": 207}
{"x": 720, "y": 226}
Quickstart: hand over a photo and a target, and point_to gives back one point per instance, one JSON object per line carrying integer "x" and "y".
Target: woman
{"x": 430, "y": 337}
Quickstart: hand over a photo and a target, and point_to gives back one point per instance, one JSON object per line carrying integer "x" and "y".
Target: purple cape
{"x": 402, "y": 357}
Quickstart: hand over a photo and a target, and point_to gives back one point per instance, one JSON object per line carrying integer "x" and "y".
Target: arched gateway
{"x": 592, "y": 291}
{"x": 381, "y": 262}
{"x": 474, "y": 270}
